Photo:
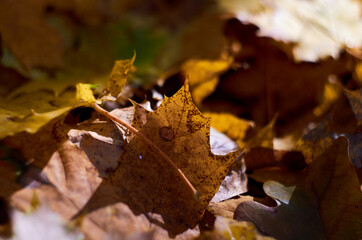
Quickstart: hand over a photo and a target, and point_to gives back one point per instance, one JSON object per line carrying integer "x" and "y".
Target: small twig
{"x": 149, "y": 142}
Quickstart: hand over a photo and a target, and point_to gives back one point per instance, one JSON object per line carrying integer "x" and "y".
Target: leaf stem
{"x": 149, "y": 142}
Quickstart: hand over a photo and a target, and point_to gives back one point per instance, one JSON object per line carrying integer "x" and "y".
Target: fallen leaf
{"x": 324, "y": 202}
{"x": 358, "y": 71}
{"x": 84, "y": 95}
{"x": 235, "y": 181}
{"x": 204, "y": 75}
{"x": 16, "y": 122}
{"x": 146, "y": 182}
{"x": 232, "y": 126}
{"x": 316, "y": 141}
{"x": 30, "y": 111}
{"x": 355, "y": 99}
{"x": 258, "y": 90}
{"x": 227, "y": 208}
{"x": 73, "y": 179}
{"x": 313, "y": 143}
{"x": 101, "y": 141}
{"x": 264, "y": 137}
{"x": 331, "y": 94}
{"x": 118, "y": 78}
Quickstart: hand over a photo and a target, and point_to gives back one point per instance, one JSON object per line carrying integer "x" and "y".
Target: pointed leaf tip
{"x": 119, "y": 75}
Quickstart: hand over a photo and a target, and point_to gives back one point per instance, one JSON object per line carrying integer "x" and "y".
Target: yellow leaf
{"x": 331, "y": 93}
{"x": 30, "y": 111}
{"x": 359, "y": 74}
{"x": 204, "y": 76}
{"x": 84, "y": 94}
{"x": 234, "y": 127}
{"x": 315, "y": 142}
{"x": 147, "y": 183}
{"x": 12, "y": 123}
{"x": 118, "y": 78}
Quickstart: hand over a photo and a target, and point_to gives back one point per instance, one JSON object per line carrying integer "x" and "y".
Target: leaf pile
{"x": 218, "y": 129}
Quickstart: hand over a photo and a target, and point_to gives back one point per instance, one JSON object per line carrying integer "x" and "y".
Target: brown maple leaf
{"x": 148, "y": 183}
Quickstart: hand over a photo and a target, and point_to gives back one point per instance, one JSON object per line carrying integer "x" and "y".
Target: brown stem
{"x": 149, "y": 142}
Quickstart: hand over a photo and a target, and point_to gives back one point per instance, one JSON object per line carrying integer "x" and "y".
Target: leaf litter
{"x": 158, "y": 170}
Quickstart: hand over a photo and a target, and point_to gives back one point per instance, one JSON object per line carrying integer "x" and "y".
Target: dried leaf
{"x": 119, "y": 75}
{"x": 232, "y": 126}
{"x": 264, "y": 137}
{"x": 204, "y": 76}
{"x": 355, "y": 99}
{"x": 30, "y": 109}
{"x": 331, "y": 94}
{"x": 323, "y": 203}
{"x": 16, "y": 122}
{"x": 84, "y": 95}
{"x": 148, "y": 184}
{"x": 227, "y": 208}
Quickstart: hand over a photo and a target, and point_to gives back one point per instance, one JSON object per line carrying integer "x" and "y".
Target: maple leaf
{"x": 73, "y": 174}
{"x": 322, "y": 202}
{"x": 148, "y": 184}
{"x": 319, "y": 28}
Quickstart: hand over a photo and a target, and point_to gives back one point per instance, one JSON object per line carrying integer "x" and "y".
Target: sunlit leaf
{"x": 182, "y": 133}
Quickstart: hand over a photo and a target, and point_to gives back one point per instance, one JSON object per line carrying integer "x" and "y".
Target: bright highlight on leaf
{"x": 84, "y": 94}
{"x": 204, "y": 76}
{"x": 234, "y": 127}
{"x": 13, "y": 122}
